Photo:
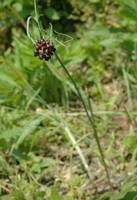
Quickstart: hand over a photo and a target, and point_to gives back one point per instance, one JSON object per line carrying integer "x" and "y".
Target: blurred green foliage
{"x": 104, "y": 41}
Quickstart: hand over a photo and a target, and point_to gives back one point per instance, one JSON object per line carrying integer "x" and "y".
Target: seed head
{"x": 44, "y": 49}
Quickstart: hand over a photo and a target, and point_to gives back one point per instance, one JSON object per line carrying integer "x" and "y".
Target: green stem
{"x": 128, "y": 88}
{"x": 37, "y": 18}
{"x": 98, "y": 142}
{"x": 91, "y": 118}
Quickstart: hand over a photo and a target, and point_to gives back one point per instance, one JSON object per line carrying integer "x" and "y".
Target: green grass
{"x": 47, "y": 147}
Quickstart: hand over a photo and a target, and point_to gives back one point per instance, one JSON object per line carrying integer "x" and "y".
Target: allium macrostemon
{"x": 44, "y": 49}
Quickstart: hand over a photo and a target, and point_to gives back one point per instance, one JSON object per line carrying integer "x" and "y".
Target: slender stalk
{"x": 130, "y": 103}
{"x": 128, "y": 89}
{"x": 36, "y": 13}
{"x": 37, "y": 17}
{"x": 98, "y": 142}
{"x": 90, "y": 118}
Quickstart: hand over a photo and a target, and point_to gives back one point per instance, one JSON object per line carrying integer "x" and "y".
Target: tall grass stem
{"x": 90, "y": 117}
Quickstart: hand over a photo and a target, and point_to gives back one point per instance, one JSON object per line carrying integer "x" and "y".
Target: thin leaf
{"x": 29, "y": 128}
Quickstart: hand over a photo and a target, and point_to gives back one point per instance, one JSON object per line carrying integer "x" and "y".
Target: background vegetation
{"x": 43, "y": 128}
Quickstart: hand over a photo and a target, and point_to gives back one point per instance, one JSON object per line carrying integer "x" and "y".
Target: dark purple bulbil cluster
{"x": 44, "y": 49}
